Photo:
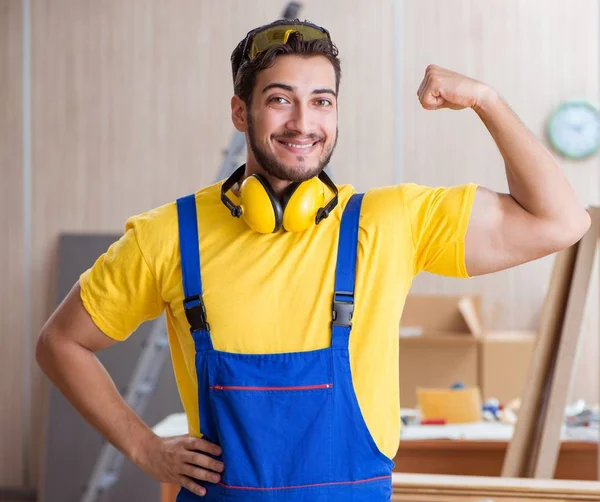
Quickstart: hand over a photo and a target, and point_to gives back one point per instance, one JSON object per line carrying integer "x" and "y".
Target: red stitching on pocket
{"x": 305, "y": 387}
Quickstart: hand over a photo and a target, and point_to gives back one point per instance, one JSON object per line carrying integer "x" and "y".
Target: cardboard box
{"x": 436, "y": 361}
{"x": 504, "y": 363}
{"x": 442, "y": 341}
{"x": 456, "y": 315}
{"x": 438, "y": 343}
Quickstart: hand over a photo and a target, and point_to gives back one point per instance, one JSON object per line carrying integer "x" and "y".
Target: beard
{"x": 296, "y": 173}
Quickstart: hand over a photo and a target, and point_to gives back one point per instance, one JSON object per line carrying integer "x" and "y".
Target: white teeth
{"x": 298, "y": 146}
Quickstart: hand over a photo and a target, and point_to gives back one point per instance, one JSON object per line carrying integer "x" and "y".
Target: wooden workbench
{"x": 578, "y": 460}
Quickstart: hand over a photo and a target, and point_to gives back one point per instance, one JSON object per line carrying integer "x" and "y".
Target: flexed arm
{"x": 541, "y": 214}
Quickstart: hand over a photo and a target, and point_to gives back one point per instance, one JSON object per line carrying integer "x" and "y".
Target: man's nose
{"x": 300, "y": 120}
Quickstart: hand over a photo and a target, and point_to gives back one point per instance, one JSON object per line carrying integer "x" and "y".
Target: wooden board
{"x": 551, "y": 321}
{"x": 534, "y": 449}
{"x": 433, "y": 488}
{"x": 566, "y": 360}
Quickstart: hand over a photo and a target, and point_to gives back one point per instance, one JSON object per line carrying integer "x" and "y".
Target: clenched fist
{"x": 443, "y": 88}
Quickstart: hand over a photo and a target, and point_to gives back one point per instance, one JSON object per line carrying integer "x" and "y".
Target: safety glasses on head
{"x": 262, "y": 38}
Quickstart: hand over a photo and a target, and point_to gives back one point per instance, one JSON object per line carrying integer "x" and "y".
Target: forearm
{"x": 535, "y": 179}
{"x": 84, "y": 381}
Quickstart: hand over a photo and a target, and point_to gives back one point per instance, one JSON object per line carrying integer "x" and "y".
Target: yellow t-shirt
{"x": 273, "y": 293}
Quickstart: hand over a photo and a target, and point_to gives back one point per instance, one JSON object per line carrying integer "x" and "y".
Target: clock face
{"x": 574, "y": 130}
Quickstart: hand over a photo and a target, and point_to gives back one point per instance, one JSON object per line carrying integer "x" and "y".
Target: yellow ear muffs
{"x": 260, "y": 208}
{"x": 301, "y": 202}
{"x": 301, "y": 206}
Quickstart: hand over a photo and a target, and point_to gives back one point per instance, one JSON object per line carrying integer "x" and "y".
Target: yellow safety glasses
{"x": 262, "y": 39}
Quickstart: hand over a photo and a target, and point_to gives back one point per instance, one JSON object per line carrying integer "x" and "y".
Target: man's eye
{"x": 323, "y": 102}
{"x": 279, "y": 100}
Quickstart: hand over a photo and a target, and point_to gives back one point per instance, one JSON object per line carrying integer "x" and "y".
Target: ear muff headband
{"x": 259, "y": 206}
{"x": 236, "y": 211}
{"x": 323, "y": 212}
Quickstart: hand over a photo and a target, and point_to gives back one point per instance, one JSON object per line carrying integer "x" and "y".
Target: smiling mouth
{"x": 298, "y": 147}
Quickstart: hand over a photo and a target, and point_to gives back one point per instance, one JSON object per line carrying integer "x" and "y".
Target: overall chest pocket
{"x": 274, "y": 436}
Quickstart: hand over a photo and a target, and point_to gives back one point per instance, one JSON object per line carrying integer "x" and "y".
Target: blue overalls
{"x": 289, "y": 424}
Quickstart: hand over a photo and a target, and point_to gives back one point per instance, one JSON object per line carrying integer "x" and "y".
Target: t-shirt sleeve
{"x": 439, "y": 218}
{"x": 120, "y": 291}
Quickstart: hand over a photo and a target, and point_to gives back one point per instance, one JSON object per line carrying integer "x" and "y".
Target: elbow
{"x": 41, "y": 350}
{"x": 45, "y": 350}
{"x": 570, "y": 231}
{"x": 586, "y": 222}
{"x": 581, "y": 224}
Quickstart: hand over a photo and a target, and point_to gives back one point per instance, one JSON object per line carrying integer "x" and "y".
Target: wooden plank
{"x": 444, "y": 497}
{"x": 415, "y": 486}
{"x": 476, "y": 497}
{"x": 551, "y": 320}
{"x": 570, "y": 340}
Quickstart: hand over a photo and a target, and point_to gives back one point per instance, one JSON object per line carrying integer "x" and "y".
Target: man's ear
{"x": 238, "y": 114}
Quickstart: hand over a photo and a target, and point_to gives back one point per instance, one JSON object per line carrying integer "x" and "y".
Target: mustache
{"x": 292, "y": 135}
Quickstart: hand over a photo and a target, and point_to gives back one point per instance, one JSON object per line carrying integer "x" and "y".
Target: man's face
{"x": 292, "y": 121}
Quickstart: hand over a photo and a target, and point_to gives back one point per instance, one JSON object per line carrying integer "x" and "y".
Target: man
{"x": 292, "y": 287}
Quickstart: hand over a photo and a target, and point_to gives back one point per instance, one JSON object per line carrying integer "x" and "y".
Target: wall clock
{"x": 574, "y": 129}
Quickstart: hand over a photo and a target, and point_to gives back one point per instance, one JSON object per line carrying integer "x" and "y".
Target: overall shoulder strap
{"x": 190, "y": 264}
{"x": 345, "y": 273}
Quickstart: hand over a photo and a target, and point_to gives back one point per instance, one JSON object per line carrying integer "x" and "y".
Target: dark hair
{"x": 244, "y": 71}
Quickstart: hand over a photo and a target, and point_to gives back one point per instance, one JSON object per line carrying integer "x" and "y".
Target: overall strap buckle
{"x": 195, "y": 312}
{"x": 343, "y": 309}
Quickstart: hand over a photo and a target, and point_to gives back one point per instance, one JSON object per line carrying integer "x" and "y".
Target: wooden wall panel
{"x": 131, "y": 108}
{"x": 12, "y": 266}
{"x": 536, "y": 54}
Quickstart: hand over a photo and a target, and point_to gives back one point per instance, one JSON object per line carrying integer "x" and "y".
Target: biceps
{"x": 72, "y": 323}
{"x": 501, "y": 234}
